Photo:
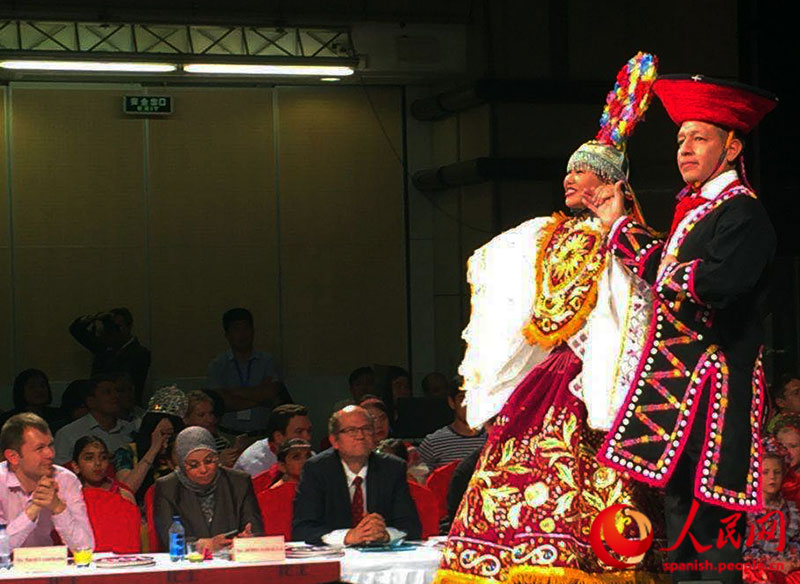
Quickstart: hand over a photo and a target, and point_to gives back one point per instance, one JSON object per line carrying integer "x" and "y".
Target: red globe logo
{"x": 605, "y": 533}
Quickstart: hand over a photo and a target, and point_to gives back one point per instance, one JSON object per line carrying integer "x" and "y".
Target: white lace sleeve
{"x": 502, "y": 276}
{"x": 613, "y": 339}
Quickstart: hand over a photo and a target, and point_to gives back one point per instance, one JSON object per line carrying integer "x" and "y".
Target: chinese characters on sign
{"x": 147, "y": 105}
{"x": 770, "y": 527}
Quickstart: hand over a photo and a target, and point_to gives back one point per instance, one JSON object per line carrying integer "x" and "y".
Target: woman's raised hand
{"x": 606, "y": 201}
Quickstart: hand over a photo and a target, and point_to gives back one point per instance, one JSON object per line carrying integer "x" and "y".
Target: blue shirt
{"x": 225, "y": 371}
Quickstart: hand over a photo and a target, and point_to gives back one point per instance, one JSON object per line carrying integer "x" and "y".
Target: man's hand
{"x": 371, "y": 528}
{"x": 32, "y": 511}
{"x": 606, "y": 201}
{"x": 45, "y": 496}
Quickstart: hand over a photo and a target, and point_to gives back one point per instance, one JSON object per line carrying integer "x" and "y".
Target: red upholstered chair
{"x": 265, "y": 479}
{"x": 427, "y": 508}
{"x": 277, "y": 507}
{"x": 439, "y": 481}
{"x": 115, "y": 521}
{"x": 152, "y": 535}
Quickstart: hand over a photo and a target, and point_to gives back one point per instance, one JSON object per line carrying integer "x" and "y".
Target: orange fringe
{"x": 551, "y": 575}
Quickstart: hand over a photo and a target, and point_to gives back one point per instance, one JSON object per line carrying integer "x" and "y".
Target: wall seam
{"x": 406, "y": 230}
{"x": 276, "y": 185}
{"x": 148, "y": 266}
{"x": 11, "y": 256}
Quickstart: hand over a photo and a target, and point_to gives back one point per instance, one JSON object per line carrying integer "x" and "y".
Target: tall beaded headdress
{"x": 625, "y": 106}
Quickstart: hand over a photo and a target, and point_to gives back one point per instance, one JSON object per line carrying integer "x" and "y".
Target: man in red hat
{"x": 690, "y": 421}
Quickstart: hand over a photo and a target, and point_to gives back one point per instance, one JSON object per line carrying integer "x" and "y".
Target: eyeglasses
{"x": 353, "y": 431}
{"x": 209, "y": 460}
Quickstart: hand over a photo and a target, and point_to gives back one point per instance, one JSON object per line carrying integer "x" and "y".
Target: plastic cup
{"x": 82, "y": 557}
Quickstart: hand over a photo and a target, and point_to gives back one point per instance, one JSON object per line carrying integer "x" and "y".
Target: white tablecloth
{"x": 417, "y": 566}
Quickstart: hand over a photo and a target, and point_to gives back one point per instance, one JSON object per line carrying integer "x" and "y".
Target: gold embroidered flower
{"x": 570, "y": 257}
{"x": 547, "y": 525}
{"x": 604, "y": 477}
{"x": 536, "y": 494}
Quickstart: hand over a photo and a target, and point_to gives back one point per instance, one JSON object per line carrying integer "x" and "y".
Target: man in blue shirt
{"x": 247, "y": 380}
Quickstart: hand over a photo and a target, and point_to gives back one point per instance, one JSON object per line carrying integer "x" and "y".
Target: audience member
{"x": 107, "y": 336}
{"x": 454, "y": 441}
{"x": 246, "y": 379}
{"x": 783, "y": 549}
{"x": 786, "y": 431}
{"x": 113, "y": 514}
{"x": 362, "y": 383}
{"x": 397, "y": 385}
{"x": 200, "y": 411}
{"x": 379, "y": 414}
{"x": 37, "y": 496}
{"x": 73, "y": 400}
{"x": 102, "y": 420}
{"x": 460, "y": 480}
{"x": 285, "y": 422}
{"x": 351, "y": 495}
{"x": 90, "y": 461}
{"x": 161, "y": 423}
{"x": 32, "y": 394}
{"x": 435, "y": 385}
{"x": 211, "y": 501}
{"x": 292, "y": 455}
{"x": 786, "y": 395}
{"x": 126, "y": 390}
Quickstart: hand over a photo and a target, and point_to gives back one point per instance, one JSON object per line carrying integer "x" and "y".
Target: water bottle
{"x": 177, "y": 539}
{"x": 5, "y": 548}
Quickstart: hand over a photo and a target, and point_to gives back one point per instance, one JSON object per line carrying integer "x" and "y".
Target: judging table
{"x": 416, "y": 566}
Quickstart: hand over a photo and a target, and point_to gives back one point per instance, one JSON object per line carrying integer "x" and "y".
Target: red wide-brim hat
{"x": 727, "y": 104}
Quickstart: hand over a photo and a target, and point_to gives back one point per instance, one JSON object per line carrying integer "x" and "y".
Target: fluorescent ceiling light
{"x": 99, "y": 66}
{"x": 230, "y": 69}
{"x": 329, "y": 79}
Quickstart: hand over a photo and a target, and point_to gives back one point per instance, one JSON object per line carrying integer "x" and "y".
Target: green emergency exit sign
{"x": 147, "y": 105}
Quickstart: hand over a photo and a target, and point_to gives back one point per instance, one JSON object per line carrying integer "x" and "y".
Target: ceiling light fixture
{"x": 296, "y": 70}
{"x": 87, "y": 66}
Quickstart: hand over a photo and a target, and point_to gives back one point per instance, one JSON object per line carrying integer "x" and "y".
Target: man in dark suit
{"x": 351, "y": 495}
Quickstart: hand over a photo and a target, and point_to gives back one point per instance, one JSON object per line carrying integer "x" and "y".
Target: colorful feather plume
{"x": 627, "y": 102}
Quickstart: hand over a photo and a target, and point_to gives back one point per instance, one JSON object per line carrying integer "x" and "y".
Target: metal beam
{"x": 29, "y": 38}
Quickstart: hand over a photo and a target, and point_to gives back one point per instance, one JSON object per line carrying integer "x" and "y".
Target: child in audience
{"x": 786, "y": 431}
{"x": 90, "y": 461}
{"x": 292, "y": 455}
{"x": 762, "y": 542}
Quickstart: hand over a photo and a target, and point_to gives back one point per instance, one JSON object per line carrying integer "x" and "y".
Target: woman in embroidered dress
{"x": 555, "y": 332}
